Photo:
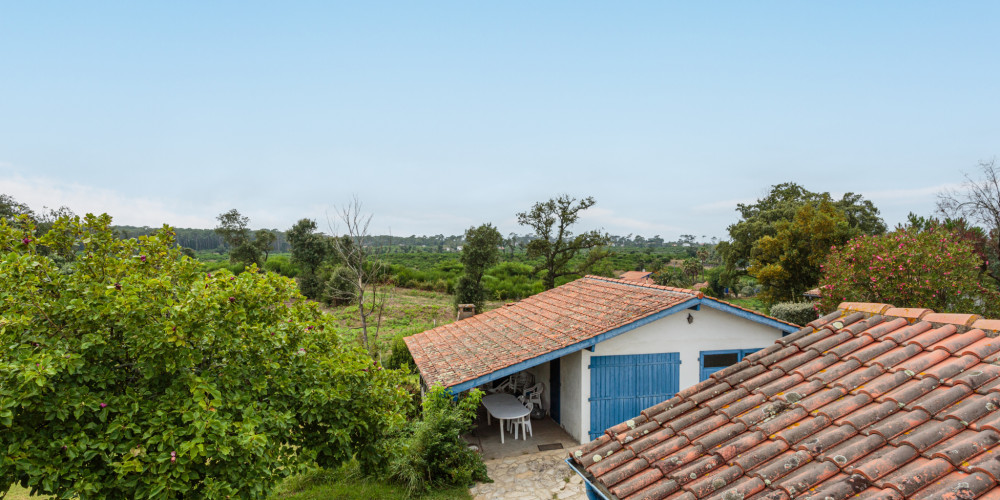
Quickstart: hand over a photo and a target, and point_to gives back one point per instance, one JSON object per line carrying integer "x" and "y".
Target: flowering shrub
{"x": 130, "y": 374}
{"x": 933, "y": 268}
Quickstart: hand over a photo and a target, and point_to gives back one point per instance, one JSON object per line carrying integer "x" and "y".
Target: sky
{"x": 439, "y": 116}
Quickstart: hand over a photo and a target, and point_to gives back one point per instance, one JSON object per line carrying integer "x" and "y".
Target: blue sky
{"x": 439, "y": 116}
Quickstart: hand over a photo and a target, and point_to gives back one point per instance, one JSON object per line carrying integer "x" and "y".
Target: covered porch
{"x": 546, "y": 435}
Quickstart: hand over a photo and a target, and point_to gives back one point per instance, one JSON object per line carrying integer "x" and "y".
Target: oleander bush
{"x": 936, "y": 268}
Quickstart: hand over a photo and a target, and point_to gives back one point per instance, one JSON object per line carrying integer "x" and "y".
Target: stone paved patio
{"x": 536, "y": 476}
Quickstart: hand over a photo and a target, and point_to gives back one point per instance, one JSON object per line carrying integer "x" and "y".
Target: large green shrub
{"x": 400, "y": 357}
{"x": 936, "y": 268}
{"x": 133, "y": 374}
{"x": 799, "y": 313}
{"x": 435, "y": 455}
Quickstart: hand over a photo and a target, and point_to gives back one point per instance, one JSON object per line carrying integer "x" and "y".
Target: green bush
{"x": 137, "y": 375}
{"x": 339, "y": 287}
{"x": 435, "y": 455}
{"x": 799, "y": 313}
{"x": 282, "y": 265}
{"x": 400, "y": 357}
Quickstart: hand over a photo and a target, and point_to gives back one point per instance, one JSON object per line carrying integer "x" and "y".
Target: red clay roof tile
{"x": 898, "y": 423}
{"x": 797, "y": 420}
{"x": 910, "y": 313}
{"x": 957, "y": 485}
{"x": 916, "y": 475}
{"x": 965, "y": 445}
{"x": 912, "y": 390}
{"x": 987, "y": 324}
{"x": 954, "y": 319}
{"x": 865, "y": 307}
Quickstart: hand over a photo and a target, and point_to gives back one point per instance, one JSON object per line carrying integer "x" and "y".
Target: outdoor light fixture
{"x": 690, "y": 318}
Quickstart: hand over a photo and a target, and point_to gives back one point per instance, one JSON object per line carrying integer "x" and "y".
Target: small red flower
{"x": 26, "y": 240}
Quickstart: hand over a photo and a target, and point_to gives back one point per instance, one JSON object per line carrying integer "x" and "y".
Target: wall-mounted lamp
{"x": 690, "y": 318}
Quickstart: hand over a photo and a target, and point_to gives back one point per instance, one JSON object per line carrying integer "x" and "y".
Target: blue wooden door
{"x": 622, "y": 386}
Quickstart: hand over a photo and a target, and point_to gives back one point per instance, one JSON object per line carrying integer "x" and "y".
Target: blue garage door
{"x": 622, "y": 386}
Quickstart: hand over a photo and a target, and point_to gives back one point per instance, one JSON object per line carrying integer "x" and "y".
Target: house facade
{"x": 604, "y": 349}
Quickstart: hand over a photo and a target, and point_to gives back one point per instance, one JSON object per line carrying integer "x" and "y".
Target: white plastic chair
{"x": 505, "y": 386}
{"x": 534, "y": 394}
{"x": 521, "y": 381}
{"x": 524, "y": 423}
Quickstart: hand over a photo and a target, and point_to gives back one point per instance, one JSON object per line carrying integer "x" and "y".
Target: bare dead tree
{"x": 978, "y": 201}
{"x": 363, "y": 272}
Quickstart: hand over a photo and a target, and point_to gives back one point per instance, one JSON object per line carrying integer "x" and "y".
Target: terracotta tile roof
{"x": 871, "y": 401}
{"x": 640, "y": 276}
{"x": 545, "y": 322}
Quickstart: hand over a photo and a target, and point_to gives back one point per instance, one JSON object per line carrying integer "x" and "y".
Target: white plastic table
{"x": 503, "y": 406}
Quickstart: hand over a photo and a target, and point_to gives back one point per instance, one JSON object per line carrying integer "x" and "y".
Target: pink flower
{"x": 104, "y": 405}
{"x": 142, "y": 258}
{"x": 173, "y": 456}
{"x": 26, "y": 240}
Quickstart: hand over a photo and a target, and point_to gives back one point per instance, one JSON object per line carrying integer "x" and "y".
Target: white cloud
{"x": 39, "y": 192}
{"x": 607, "y": 219}
{"x": 727, "y": 206}
{"x": 914, "y": 194}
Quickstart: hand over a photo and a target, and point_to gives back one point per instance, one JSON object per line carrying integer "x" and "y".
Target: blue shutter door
{"x": 623, "y": 386}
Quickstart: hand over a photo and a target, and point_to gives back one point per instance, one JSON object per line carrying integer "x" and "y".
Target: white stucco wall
{"x": 711, "y": 330}
{"x": 571, "y": 400}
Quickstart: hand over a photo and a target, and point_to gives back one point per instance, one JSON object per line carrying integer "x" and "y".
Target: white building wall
{"x": 571, "y": 400}
{"x": 711, "y": 330}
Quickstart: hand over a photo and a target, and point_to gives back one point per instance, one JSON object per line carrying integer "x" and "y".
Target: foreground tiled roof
{"x": 464, "y": 350}
{"x": 868, "y": 402}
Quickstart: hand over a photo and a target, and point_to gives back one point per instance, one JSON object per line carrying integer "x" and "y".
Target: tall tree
{"x": 481, "y": 250}
{"x": 555, "y": 243}
{"x": 782, "y": 202}
{"x": 789, "y": 262}
{"x": 244, "y": 246}
{"x": 978, "y": 201}
{"x": 363, "y": 276}
{"x": 309, "y": 249}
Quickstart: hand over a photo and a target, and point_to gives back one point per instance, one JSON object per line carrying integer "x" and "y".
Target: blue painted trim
{"x": 592, "y": 491}
{"x": 759, "y": 318}
{"x": 591, "y": 348}
{"x": 697, "y": 307}
{"x": 583, "y": 344}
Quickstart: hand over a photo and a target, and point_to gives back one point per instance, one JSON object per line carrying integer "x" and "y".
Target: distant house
{"x": 871, "y": 401}
{"x": 603, "y": 348}
{"x": 813, "y": 294}
{"x": 640, "y": 276}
